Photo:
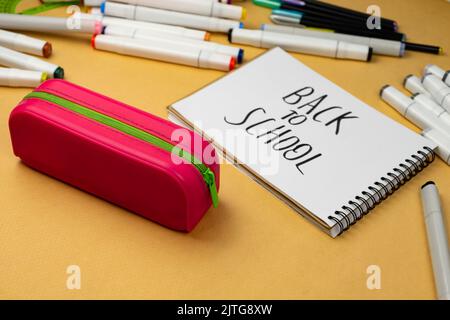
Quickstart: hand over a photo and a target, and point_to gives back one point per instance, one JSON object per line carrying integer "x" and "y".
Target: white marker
{"x": 14, "y": 59}
{"x": 308, "y": 45}
{"x": 164, "y": 52}
{"x": 209, "y": 8}
{"x": 162, "y": 28}
{"x": 441, "y": 140}
{"x": 414, "y": 85}
{"x": 21, "y": 78}
{"x": 153, "y": 37}
{"x": 48, "y": 24}
{"x": 437, "y": 239}
{"x": 438, "y": 72}
{"x": 26, "y": 44}
{"x": 379, "y": 46}
{"x": 438, "y": 89}
{"x": 168, "y": 17}
{"x": 412, "y": 110}
{"x": 432, "y": 106}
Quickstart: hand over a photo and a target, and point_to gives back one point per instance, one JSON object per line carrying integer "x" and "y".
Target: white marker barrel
{"x": 156, "y": 37}
{"x": 414, "y": 85}
{"x": 15, "y": 59}
{"x": 438, "y": 89}
{"x": 48, "y": 24}
{"x": 438, "y": 72}
{"x": 26, "y": 44}
{"x": 168, "y": 17}
{"x": 379, "y": 46}
{"x": 302, "y": 44}
{"x": 431, "y": 105}
{"x": 157, "y": 27}
{"x": 437, "y": 239}
{"x": 209, "y": 8}
{"x": 21, "y": 78}
{"x": 164, "y": 52}
{"x": 443, "y": 142}
{"x": 412, "y": 110}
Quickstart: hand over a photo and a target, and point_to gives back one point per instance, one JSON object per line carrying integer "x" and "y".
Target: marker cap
{"x": 58, "y": 73}
{"x": 435, "y": 86}
{"x": 434, "y": 69}
{"x": 211, "y": 60}
{"x": 395, "y": 98}
{"x": 353, "y": 51}
{"x": 414, "y": 85}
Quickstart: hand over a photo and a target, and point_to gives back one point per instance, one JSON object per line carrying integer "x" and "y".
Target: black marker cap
{"x": 382, "y": 89}
{"x": 406, "y": 79}
{"x": 446, "y": 76}
{"x": 428, "y": 183}
{"x": 230, "y": 35}
{"x": 370, "y": 54}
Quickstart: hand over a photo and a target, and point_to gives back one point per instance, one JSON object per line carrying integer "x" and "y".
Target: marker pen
{"x": 432, "y": 106}
{"x": 48, "y": 24}
{"x": 414, "y": 85}
{"x": 313, "y": 8}
{"x": 317, "y": 23}
{"x": 437, "y": 239}
{"x": 412, "y": 110}
{"x": 438, "y": 89}
{"x": 156, "y": 37}
{"x": 14, "y": 59}
{"x": 162, "y": 28}
{"x": 379, "y": 46}
{"x": 301, "y": 44}
{"x": 26, "y": 44}
{"x": 169, "y": 17}
{"x": 164, "y": 52}
{"x": 21, "y": 78}
{"x": 438, "y": 72}
{"x": 209, "y": 8}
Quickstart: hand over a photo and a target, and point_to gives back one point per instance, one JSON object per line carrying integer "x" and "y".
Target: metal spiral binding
{"x": 382, "y": 189}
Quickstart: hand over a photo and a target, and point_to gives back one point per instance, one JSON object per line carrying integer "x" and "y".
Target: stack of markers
{"x": 15, "y": 49}
{"x": 319, "y": 28}
{"x": 428, "y": 107}
{"x": 176, "y": 31}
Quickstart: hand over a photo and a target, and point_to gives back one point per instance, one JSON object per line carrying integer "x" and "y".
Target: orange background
{"x": 253, "y": 246}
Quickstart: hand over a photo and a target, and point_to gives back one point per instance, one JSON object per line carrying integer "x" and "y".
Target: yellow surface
{"x": 252, "y": 246}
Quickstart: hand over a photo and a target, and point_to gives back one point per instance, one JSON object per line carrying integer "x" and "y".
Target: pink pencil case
{"x": 133, "y": 159}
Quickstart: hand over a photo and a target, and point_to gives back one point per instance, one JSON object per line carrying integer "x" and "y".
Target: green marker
{"x": 15, "y": 59}
{"x": 272, "y": 4}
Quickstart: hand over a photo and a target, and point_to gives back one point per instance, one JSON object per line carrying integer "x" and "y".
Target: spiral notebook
{"x": 325, "y": 153}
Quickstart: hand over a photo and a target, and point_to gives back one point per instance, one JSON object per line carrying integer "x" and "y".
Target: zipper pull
{"x": 211, "y": 182}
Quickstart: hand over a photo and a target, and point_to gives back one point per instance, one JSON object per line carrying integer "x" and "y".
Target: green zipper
{"x": 207, "y": 174}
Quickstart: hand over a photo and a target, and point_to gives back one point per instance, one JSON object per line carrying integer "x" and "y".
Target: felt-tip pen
{"x": 156, "y": 37}
{"x": 14, "y": 59}
{"x": 301, "y": 44}
{"x": 209, "y": 8}
{"x": 169, "y": 17}
{"x": 164, "y": 52}
{"x": 437, "y": 239}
